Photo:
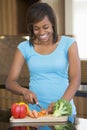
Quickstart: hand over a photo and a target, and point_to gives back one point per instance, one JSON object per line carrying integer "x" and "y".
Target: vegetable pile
{"x": 35, "y": 114}
{"x": 21, "y": 110}
{"x": 62, "y": 108}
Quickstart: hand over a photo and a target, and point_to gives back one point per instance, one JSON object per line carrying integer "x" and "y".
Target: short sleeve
{"x": 69, "y": 42}
{"x": 23, "y": 48}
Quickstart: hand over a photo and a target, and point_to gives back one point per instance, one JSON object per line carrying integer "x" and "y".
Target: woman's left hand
{"x": 50, "y": 108}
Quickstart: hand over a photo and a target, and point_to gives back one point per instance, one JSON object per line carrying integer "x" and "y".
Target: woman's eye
{"x": 46, "y": 27}
{"x": 36, "y": 29}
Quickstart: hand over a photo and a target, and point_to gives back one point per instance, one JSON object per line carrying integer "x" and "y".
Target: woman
{"x": 49, "y": 58}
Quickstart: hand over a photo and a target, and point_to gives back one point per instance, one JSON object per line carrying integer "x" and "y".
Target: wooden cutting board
{"x": 47, "y": 118}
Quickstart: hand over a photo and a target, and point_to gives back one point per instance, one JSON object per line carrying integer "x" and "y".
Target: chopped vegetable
{"x": 62, "y": 107}
{"x": 31, "y": 114}
{"x": 42, "y": 113}
{"x": 35, "y": 114}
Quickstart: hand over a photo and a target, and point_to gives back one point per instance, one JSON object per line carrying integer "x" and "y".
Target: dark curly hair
{"x": 36, "y": 13}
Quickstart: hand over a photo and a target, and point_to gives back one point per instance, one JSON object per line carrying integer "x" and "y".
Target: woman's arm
{"x": 74, "y": 72}
{"x": 11, "y": 82}
{"x": 74, "y": 75}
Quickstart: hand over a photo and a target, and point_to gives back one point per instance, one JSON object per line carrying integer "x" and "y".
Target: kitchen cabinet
{"x": 13, "y": 16}
{"x": 7, "y": 98}
{"x": 81, "y": 106}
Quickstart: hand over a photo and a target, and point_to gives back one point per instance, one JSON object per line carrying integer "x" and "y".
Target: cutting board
{"x": 47, "y": 118}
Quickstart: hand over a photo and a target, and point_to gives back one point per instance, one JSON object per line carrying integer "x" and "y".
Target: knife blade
{"x": 39, "y": 106}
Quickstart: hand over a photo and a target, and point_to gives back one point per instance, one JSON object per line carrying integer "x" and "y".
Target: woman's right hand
{"x": 30, "y": 97}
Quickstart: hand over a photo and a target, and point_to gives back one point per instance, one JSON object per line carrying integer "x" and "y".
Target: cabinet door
{"x": 8, "y": 16}
{"x": 81, "y": 106}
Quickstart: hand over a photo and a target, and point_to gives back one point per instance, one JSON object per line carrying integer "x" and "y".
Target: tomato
{"x": 19, "y": 110}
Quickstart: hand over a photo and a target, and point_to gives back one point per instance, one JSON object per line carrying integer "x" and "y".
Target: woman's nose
{"x": 41, "y": 31}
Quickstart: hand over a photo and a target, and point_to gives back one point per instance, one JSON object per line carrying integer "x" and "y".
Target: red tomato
{"x": 18, "y": 110}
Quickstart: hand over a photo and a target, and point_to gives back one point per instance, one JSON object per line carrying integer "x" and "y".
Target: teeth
{"x": 44, "y": 36}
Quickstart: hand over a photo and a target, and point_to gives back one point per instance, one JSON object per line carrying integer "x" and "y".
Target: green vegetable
{"x": 67, "y": 126}
{"x": 62, "y": 108}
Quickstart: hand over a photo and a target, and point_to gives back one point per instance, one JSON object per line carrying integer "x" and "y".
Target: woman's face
{"x": 43, "y": 30}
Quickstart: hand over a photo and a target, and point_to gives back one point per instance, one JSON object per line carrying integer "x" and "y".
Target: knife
{"x": 38, "y": 105}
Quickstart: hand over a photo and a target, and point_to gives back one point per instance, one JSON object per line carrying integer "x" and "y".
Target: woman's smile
{"x": 43, "y": 30}
{"x": 44, "y": 37}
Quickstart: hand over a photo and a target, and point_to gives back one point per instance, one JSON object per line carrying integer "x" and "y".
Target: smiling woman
{"x": 49, "y": 58}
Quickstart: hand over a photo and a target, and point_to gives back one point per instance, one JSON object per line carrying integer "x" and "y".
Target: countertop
{"x": 78, "y": 124}
{"x": 82, "y": 91}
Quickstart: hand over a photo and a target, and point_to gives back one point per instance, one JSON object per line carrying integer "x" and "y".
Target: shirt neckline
{"x": 49, "y": 53}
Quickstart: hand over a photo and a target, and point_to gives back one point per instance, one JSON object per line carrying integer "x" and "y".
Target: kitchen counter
{"x": 82, "y": 91}
{"x": 79, "y": 124}
{"x": 80, "y": 98}
{"x": 83, "y": 87}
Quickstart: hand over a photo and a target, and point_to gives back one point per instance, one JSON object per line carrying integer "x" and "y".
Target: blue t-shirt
{"x": 48, "y": 73}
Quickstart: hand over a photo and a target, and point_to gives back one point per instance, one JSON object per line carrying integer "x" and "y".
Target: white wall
{"x": 69, "y": 17}
{"x": 76, "y": 23}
